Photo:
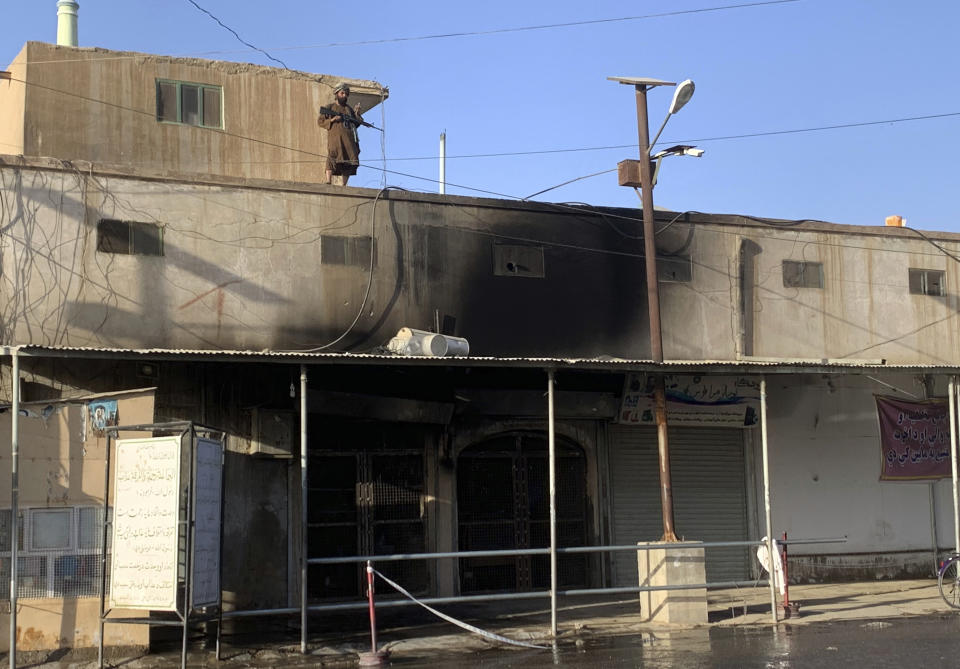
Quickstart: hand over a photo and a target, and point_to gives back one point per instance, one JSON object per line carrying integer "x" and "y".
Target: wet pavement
{"x": 922, "y": 641}
{"x": 928, "y": 641}
{"x": 881, "y": 624}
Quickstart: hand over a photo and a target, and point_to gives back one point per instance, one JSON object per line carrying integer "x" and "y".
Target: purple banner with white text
{"x": 914, "y": 439}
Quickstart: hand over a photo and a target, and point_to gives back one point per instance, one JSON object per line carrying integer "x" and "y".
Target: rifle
{"x": 348, "y": 118}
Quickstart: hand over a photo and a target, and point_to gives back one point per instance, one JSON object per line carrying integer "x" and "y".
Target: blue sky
{"x": 760, "y": 69}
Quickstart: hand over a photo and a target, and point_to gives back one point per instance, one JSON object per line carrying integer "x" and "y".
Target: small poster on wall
{"x": 102, "y": 414}
{"x": 914, "y": 439}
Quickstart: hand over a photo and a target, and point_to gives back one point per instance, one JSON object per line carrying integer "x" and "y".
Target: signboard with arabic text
{"x": 143, "y": 574}
{"x": 693, "y": 399}
{"x": 914, "y": 439}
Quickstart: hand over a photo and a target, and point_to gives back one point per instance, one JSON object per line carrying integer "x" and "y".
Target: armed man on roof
{"x": 343, "y": 147}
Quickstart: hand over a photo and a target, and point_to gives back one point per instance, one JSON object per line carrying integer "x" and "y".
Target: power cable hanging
{"x": 580, "y": 248}
{"x": 234, "y": 32}
{"x": 770, "y": 133}
{"x": 370, "y": 273}
{"x": 765, "y": 221}
{"x": 495, "y": 31}
{"x": 840, "y": 126}
{"x": 546, "y": 26}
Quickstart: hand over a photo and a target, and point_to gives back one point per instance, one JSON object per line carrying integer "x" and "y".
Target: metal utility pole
{"x": 653, "y": 309}
{"x": 681, "y": 96}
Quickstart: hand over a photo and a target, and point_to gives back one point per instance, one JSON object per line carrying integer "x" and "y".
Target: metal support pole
{"x": 953, "y": 462}
{"x": 14, "y": 499}
{"x": 372, "y": 609}
{"x": 931, "y": 488}
{"x": 443, "y": 162}
{"x": 786, "y": 576}
{"x": 552, "y": 446}
{"x": 107, "y": 527}
{"x": 766, "y": 497}
{"x": 649, "y": 242}
{"x": 653, "y": 307}
{"x": 303, "y": 509}
{"x": 189, "y": 527}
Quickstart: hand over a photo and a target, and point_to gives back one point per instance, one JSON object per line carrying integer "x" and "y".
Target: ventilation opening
{"x": 797, "y": 274}
{"x": 343, "y": 250}
{"x": 518, "y": 260}
{"x": 129, "y": 238}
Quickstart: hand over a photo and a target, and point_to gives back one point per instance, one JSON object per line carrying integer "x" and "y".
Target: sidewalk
{"x": 832, "y": 601}
{"x": 409, "y": 633}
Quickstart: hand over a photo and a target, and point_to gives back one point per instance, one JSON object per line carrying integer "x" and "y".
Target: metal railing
{"x": 534, "y": 594}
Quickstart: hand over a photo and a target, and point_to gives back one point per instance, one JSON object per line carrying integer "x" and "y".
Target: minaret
{"x": 67, "y": 22}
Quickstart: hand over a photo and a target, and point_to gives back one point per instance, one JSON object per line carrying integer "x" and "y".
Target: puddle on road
{"x": 888, "y": 644}
{"x": 660, "y": 650}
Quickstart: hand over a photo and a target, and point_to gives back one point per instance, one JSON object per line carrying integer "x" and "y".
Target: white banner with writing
{"x": 143, "y": 573}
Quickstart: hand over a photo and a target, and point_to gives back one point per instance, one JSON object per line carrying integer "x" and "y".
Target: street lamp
{"x": 681, "y": 96}
{"x": 678, "y": 150}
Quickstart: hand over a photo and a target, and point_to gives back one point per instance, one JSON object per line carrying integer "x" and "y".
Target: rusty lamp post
{"x": 628, "y": 177}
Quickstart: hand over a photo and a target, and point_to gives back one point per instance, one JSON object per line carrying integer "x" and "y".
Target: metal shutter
{"x": 709, "y": 495}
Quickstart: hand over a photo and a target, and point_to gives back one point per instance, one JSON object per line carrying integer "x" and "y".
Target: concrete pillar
{"x": 675, "y": 566}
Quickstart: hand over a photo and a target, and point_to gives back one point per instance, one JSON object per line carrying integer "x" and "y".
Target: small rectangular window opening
{"x": 800, "y": 274}
{"x": 190, "y": 104}
{"x": 927, "y": 282}
{"x": 674, "y": 269}
{"x": 129, "y": 238}
{"x": 518, "y": 260}
{"x": 344, "y": 250}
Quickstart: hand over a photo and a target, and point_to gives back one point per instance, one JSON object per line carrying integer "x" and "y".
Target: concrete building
{"x": 178, "y": 259}
{"x": 183, "y": 115}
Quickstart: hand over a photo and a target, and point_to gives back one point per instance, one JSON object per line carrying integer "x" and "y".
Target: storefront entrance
{"x": 503, "y": 503}
{"x": 367, "y": 500}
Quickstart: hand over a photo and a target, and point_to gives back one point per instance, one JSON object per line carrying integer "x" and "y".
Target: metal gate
{"x": 709, "y": 495}
{"x": 503, "y": 503}
{"x": 365, "y": 502}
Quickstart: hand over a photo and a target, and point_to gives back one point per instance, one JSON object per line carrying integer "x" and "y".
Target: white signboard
{"x": 146, "y": 506}
{"x": 205, "y": 584}
{"x": 693, "y": 399}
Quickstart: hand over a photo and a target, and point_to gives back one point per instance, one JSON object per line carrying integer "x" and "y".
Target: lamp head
{"x": 681, "y": 95}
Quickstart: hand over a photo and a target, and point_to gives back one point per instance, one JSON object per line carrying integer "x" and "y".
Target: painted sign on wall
{"x": 146, "y": 507}
{"x": 914, "y": 439}
{"x": 693, "y": 399}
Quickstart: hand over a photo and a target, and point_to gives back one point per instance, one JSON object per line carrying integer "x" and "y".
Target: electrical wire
{"x": 476, "y": 33}
{"x": 484, "y": 191}
{"x": 932, "y": 243}
{"x": 578, "y": 248}
{"x": 701, "y": 140}
{"x": 370, "y": 273}
{"x": 547, "y": 26}
{"x": 240, "y": 39}
{"x": 569, "y": 181}
{"x": 765, "y": 221}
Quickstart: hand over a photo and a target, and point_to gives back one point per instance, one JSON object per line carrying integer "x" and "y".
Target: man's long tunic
{"x": 343, "y": 149}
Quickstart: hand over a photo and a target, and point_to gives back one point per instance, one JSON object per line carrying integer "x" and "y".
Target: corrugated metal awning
{"x": 604, "y": 363}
